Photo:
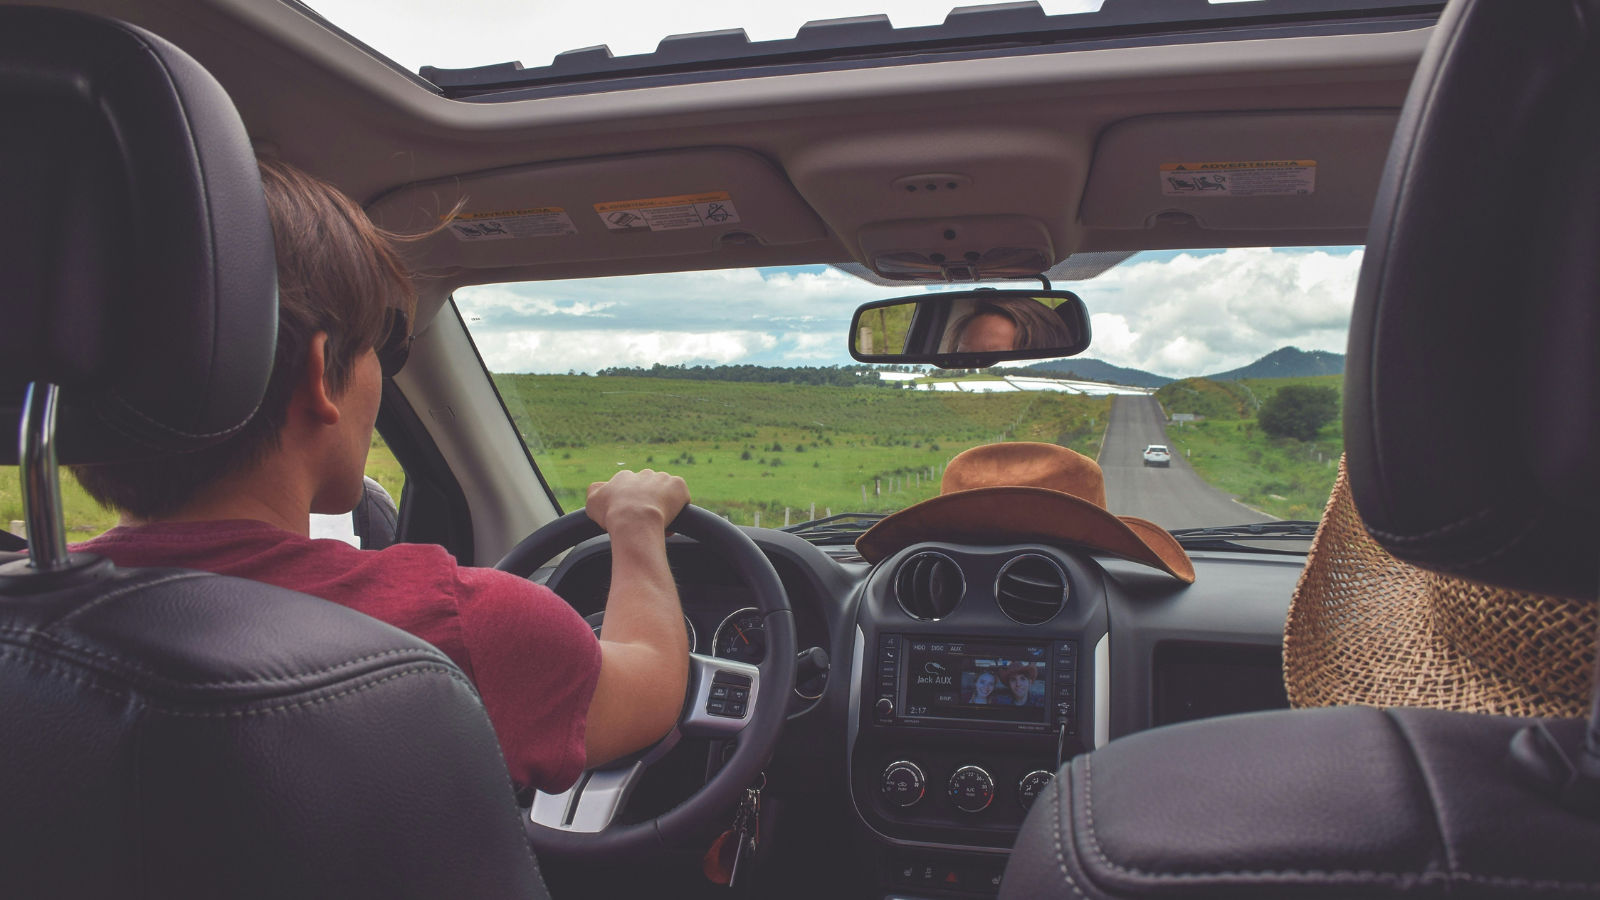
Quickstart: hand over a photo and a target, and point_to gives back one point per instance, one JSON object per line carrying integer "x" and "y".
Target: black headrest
{"x": 1472, "y": 388}
{"x": 136, "y": 259}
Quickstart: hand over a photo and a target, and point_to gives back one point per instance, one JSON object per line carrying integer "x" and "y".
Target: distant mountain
{"x": 1288, "y": 362}
{"x": 1095, "y": 370}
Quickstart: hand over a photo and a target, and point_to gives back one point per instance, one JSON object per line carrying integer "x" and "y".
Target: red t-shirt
{"x": 533, "y": 658}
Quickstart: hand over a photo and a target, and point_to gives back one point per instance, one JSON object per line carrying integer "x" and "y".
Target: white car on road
{"x": 1157, "y": 455}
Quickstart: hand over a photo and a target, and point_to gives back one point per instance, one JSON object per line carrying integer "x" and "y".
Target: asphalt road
{"x": 1174, "y": 497}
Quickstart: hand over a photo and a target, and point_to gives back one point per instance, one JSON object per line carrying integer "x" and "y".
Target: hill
{"x": 1287, "y": 362}
{"x": 1095, "y": 370}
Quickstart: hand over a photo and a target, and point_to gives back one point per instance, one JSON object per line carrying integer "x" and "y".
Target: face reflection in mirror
{"x": 1007, "y": 323}
{"x": 987, "y": 332}
{"x": 970, "y": 328}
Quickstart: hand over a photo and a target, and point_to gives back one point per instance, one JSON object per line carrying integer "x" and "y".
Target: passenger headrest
{"x": 136, "y": 258}
{"x": 1472, "y": 387}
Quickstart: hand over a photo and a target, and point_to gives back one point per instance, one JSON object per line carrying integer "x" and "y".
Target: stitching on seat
{"x": 1346, "y": 875}
{"x": 80, "y": 678}
{"x": 1444, "y": 529}
{"x": 1061, "y": 857}
{"x": 120, "y": 592}
{"x": 147, "y": 672}
{"x": 1505, "y": 546}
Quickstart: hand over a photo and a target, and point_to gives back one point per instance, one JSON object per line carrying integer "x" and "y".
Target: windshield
{"x": 740, "y": 381}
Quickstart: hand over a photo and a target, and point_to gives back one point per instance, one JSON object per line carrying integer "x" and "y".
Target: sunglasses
{"x": 396, "y": 346}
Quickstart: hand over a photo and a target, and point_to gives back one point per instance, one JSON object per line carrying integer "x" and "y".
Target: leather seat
{"x": 172, "y": 733}
{"x": 1472, "y": 413}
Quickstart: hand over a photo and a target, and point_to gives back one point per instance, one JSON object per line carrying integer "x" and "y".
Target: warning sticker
{"x": 545, "y": 221}
{"x": 669, "y": 213}
{"x": 1268, "y": 178}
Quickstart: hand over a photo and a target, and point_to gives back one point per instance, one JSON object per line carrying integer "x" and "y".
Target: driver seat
{"x": 172, "y": 733}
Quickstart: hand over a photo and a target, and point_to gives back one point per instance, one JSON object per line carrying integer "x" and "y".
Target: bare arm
{"x": 644, "y": 652}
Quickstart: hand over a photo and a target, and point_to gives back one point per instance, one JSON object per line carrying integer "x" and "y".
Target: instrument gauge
{"x": 742, "y": 637}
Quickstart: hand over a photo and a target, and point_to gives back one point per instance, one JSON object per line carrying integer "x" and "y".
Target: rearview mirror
{"x": 970, "y": 329}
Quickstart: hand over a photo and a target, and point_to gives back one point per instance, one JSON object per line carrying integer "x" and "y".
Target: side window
{"x": 84, "y": 517}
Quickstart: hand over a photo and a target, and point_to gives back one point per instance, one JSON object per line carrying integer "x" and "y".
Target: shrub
{"x": 1299, "y": 411}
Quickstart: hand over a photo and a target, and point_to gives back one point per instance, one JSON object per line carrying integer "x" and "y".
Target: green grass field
{"x": 1284, "y": 477}
{"x": 749, "y": 447}
{"x": 745, "y": 448}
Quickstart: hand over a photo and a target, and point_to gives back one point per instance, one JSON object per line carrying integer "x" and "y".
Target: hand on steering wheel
{"x": 580, "y": 822}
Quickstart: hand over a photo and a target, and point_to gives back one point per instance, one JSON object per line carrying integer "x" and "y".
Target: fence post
{"x": 786, "y": 517}
{"x": 863, "y": 495}
{"x": 827, "y": 511}
{"x": 758, "y": 518}
{"x": 813, "y": 511}
{"x": 877, "y": 487}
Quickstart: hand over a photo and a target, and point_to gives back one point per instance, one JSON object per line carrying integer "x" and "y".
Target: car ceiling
{"x": 1057, "y": 151}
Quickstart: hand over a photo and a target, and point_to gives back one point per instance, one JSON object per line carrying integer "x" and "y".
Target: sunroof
{"x": 496, "y": 46}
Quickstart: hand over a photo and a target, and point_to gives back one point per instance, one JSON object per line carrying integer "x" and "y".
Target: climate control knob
{"x": 1031, "y": 784}
{"x": 902, "y": 784}
{"x": 971, "y": 789}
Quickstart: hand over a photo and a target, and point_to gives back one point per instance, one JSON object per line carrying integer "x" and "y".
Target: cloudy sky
{"x": 1175, "y": 314}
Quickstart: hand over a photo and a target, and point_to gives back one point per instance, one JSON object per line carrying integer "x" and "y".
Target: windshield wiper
{"x": 1286, "y": 528}
{"x": 842, "y": 528}
{"x": 1246, "y": 537}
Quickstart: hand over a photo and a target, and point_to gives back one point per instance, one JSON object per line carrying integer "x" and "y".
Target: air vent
{"x": 1031, "y": 589}
{"x": 928, "y": 586}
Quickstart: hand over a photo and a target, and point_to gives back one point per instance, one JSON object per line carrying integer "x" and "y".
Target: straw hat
{"x": 1023, "y": 491}
{"x": 1366, "y": 628}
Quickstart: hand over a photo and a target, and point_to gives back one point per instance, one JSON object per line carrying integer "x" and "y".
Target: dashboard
{"x": 956, "y": 680}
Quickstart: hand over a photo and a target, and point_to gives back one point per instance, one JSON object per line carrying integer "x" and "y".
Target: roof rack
{"x": 965, "y": 27}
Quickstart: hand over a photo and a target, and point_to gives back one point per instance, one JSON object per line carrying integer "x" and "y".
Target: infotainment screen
{"x": 991, "y": 681}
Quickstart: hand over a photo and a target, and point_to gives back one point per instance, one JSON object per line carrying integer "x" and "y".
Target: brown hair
{"x": 1038, "y": 326}
{"x": 338, "y": 273}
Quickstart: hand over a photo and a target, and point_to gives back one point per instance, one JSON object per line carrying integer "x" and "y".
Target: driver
{"x": 1009, "y": 323}
{"x": 560, "y": 700}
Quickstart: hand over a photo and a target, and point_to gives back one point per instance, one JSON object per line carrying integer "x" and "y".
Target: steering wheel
{"x": 579, "y": 823}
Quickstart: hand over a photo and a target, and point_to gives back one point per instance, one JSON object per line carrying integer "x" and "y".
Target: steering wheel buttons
{"x": 736, "y": 710}
{"x": 717, "y": 707}
{"x": 719, "y": 692}
{"x": 731, "y": 678}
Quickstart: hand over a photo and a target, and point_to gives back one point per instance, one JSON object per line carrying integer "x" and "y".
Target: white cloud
{"x": 1175, "y": 314}
{"x": 1200, "y": 313}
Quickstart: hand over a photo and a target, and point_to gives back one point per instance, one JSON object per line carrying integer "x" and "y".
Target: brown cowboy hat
{"x": 1024, "y": 491}
{"x": 1368, "y": 629}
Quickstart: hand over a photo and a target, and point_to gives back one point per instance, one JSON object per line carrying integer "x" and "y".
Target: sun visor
{"x": 1239, "y": 171}
{"x": 658, "y": 204}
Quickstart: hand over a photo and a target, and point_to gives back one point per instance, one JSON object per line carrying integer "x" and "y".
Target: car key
{"x": 747, "y": 832}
